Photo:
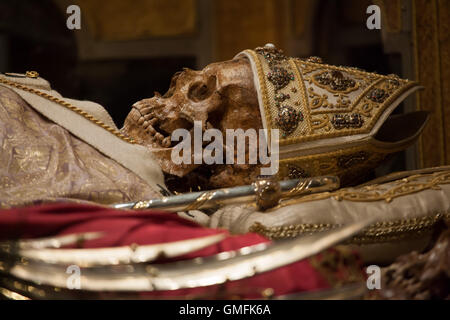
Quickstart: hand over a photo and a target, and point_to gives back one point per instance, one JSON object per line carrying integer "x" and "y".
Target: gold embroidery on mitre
{"x": 308, "y": 100}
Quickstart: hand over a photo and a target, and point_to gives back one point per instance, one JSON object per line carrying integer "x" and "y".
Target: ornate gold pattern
{"x": 290, "y": 231}
{"x": 321, "y": 101}
{"x": 335, "y": 82}
{"x": 350, "y": 164}
{"x": 375, "y": 192}
{"x": 379, "y": 232}
{"x": 66, "y": 105}
{"x": 325, "y": 92}
{"x": 345, "y": 121}
{"x": 405, "y": 186}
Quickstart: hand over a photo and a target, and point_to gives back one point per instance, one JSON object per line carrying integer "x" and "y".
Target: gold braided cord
{"x": 321, "y": 65}
{"x": 370, "y": 193}
{"x": 299, "y": 189}
{"x": 200, "y": 201}
{"x": 404, "y": 187}
{"x": 71, "y": 107}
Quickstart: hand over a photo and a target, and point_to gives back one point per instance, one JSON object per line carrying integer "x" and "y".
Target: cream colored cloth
{"x": 406, "y": 211}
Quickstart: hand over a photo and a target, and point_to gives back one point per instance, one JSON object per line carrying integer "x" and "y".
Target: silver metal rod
{"x": 241, "y": 194}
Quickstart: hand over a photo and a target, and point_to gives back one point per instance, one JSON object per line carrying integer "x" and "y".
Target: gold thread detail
{"x": 304, "y": 96}
{"x": 263, "y": 88}
{"x": 300, "y": 67}
{"x": 403, "y": 187}
{"x": 378, "y": 232}
{"x": 200, "y": 201}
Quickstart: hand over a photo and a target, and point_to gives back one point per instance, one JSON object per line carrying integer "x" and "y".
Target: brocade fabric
{"x": 41, "y": 161}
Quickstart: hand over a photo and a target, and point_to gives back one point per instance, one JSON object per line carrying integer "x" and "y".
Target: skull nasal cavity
{"x": 201, "y": 90}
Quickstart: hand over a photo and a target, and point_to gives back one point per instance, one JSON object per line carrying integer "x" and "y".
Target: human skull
{"x": 221, "y": 96}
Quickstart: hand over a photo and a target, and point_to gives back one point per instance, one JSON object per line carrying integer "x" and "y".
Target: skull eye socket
{"x": 199, "y": 91}
{"x": 173, "y": 83}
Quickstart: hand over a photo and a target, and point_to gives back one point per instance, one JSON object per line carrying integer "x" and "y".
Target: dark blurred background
{"x": 126, "y": 50}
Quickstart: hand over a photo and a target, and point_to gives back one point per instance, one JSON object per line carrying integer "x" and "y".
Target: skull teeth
{"x": 145, "y": 111}
{"x": 166, "y": 142}
{"x": 159, "y": 136}
{"x": 147, "y": 121}
{"x": 151, "y": 130}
